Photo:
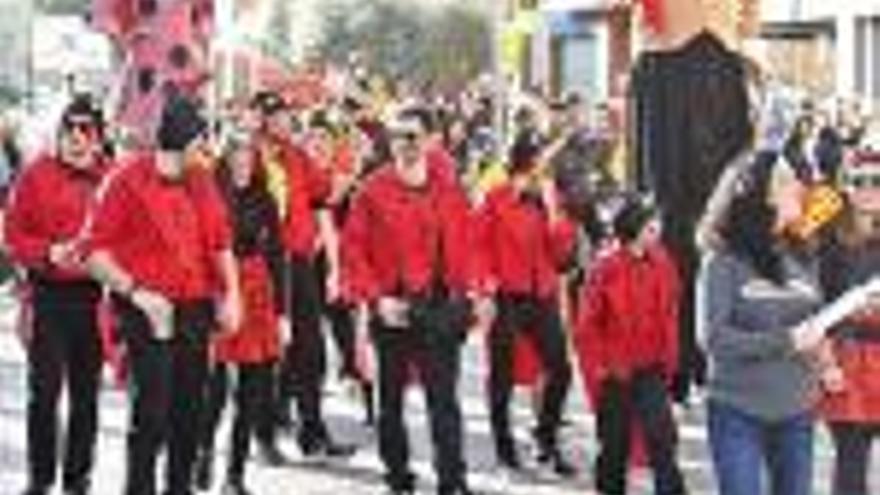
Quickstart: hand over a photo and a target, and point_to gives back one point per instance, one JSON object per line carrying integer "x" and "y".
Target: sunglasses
{"x": 860, "y": 181}
{"x": 85, "y": 127}
{"x": 408, "y": 136}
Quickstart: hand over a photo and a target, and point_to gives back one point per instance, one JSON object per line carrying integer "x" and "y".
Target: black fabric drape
{"x": 691, "y": 119}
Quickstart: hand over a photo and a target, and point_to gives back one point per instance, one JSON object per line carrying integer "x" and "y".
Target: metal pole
{"x": 31, "y": 76}
{"x": 498, "y": 13}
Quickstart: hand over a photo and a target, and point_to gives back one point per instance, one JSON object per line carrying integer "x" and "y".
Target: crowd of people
{"x": 218, "y": 259}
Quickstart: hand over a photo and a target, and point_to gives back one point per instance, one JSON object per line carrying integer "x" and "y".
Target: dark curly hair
{"x": 748, "y": 230}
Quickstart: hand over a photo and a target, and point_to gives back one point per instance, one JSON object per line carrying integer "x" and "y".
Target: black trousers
{"x": 852, "y": 457}
{"x": 253, "y": 410}
{"x": 65, "y": 350}
{"x": 431, "y": 345}
{"x": 167, "y": 380}
{"x": 304, "y": 361}
{"x": 643, "y": 398}
{"x": 342, "y": 325}
{"x": 540, "y": 321}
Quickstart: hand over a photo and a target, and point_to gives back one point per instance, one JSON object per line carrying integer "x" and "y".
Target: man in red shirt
{"x": 406, "y": 253}
{"x": 159, "y": 239}
{"x": 301, "y": 189}
{"x": 525, "y": 244}
{"x": 46, "y": 211}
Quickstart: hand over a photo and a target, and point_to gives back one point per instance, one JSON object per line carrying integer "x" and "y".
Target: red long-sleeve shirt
{"x": 521, "y": 251}
{"x": 399, "y": 241}
{"x": 307, "y": 186}
{"x": 48, "y": 205}
{"x": 165, "y": 233}
{"x": 628, "y": 316}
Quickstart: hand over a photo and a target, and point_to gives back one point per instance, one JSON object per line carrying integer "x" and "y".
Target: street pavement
{"x": 361, "y": 475}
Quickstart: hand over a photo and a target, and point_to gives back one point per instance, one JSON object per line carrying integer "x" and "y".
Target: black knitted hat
{"x": 181, "y": 123}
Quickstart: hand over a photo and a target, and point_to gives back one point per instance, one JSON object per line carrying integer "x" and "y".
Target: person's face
{"x": 786, "y": 198}
{"x": 80, "y": 141}
{"x": 320, "y": 141}
{"x": 649, "y": 235}
{"x": 407, "y": 140}
{"x": 277, "y": 123}
{"x": 242, "y": 166}
{"x": 198, "y": 152}
{"x": 577, "y": 115}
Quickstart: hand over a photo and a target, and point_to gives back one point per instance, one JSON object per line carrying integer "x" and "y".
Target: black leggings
{"x": 852, "y": 456}
{"x": 253, "y": 410}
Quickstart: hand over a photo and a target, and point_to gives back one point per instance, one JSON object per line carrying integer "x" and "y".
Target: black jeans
{"x": 167, "y": 393}
{"x": 304, "y": 361}
{"x": 431, "y": 345}
{"x": 644, "y": 398}
{"x": 541, "y": 322}
{"x": 852, "y": 456}
{"x": 65, "y": 350}
{"x": 253, "y": 410}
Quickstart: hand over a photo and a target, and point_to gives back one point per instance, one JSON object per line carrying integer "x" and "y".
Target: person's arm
{"x": 717, "y": 289}
{"x": 101, "y": 265}
{"x": 230, "y": 310}
{"x": 27, "y": 244}
{"x": 330, "y": 241}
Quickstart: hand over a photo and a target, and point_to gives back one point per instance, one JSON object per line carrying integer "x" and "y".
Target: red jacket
{"x": 628, "y": 317}
{"x": 49, "y": 203}
{"x": 394, "y": 234}
{"x": 521, "y": 252}
{"x": 307, "y": 188}
{"x": 165, "y": 234}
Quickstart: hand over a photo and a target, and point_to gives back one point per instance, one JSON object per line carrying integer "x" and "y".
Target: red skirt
{"x": 526, "y": 364}
{"x": 258, "y": 340}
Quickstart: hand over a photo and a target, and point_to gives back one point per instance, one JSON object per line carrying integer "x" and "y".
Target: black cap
{"x": 180, "y": 124}
{"x": 632, "y": 217}
{"x": 268, "y": 102}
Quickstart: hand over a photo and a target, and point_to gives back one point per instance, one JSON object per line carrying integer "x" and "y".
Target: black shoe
{"x": 272, "y": 456}
{"x": 369, "y": 403}
{"x": 552, "y": 457}
{"x": 204, "y": 471}
{"x": 235, "y": 487}
{"x": 401, "y": 484}
{"x": 81, "y": 488}
{"x": 36, "y": 490}
{"x": 507, "y": 456}
{"x": 326, "y": 447}
{"x": 457, "y": 489}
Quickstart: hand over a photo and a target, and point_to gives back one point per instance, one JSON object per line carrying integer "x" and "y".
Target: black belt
{"x": 77, "y": 288}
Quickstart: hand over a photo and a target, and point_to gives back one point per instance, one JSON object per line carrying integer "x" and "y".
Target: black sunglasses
{"x": 408, "y": 136}
{"x": 83, "y": 125}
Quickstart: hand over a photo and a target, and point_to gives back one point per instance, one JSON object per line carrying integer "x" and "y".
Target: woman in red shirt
{"x": 254, "y": 349}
